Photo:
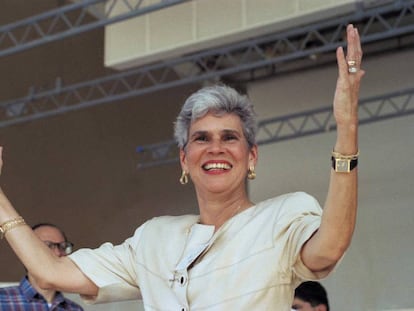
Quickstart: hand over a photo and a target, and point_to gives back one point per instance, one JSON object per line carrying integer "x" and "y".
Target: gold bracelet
{"x": 338, "y": 155}
{"x": 10, "y": 224}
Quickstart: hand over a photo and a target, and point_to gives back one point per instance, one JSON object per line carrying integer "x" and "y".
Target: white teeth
{"x": 220, "y": 166}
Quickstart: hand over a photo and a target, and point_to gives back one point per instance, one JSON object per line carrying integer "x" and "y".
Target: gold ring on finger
{"x": 351, "y": 63}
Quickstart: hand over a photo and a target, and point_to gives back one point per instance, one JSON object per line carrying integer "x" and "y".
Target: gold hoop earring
{"x": 184, "y": 178}
{"x": 251, "y": 174}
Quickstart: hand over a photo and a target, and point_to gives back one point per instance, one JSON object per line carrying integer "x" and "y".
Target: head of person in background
{"x": 54, "y": 238}
{"x": 28, "y": 295}
{"x": 310, "y": 296}
{"x": 59, "y": 245}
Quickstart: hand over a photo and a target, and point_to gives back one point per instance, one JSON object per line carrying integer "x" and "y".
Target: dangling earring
{"x": 184, "y": 178}
{"x": 251, "y": 174}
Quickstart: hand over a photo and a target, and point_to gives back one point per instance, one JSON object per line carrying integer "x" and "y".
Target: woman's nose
{"x": 215, "y": 146}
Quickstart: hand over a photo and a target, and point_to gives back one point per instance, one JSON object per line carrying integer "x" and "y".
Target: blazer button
{"x": 182, "y": 280}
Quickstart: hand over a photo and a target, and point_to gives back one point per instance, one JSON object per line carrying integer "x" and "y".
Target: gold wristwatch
{"x": 343, "y": 165}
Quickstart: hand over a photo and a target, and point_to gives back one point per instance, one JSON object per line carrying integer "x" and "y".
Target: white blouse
{"x": 173, "y": 263}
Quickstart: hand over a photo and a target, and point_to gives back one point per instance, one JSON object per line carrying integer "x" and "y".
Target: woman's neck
{"x": 218, "y": 210}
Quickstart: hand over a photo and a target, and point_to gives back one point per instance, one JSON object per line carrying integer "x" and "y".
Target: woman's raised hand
{"x": 349, "y": 78}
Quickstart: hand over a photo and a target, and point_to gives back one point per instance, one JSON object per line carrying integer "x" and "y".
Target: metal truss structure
{"x": 382, "y": 27}
{"x": 317, "y": 121}
{"x": 392, "y": 25}
{"x": 71, "y": 20}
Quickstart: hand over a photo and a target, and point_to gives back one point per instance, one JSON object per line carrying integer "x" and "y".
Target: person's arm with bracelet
{"x": 49, "y": 271}
{"x": 325, "y": 248}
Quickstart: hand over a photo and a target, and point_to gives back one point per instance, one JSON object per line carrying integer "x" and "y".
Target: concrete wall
{"x": 196, "y": 25}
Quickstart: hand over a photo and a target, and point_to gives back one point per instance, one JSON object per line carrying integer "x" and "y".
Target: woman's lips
{"x": 217, "y": 166}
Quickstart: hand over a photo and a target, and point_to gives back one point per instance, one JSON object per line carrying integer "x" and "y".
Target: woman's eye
{"x": 229, "y": 137}
{"x": 201, "y": 138}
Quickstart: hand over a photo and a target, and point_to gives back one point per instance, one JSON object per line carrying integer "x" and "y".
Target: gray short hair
{"x": 218, "y": 99}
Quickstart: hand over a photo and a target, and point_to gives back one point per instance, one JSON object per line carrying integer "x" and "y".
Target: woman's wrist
{"x": 7, "y": 212}
{"x": 10, "y": 225}
{"x": 347, "y": 140}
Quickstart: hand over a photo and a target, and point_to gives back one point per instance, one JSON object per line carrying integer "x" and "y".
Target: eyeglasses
{"x": 64, "y": 247}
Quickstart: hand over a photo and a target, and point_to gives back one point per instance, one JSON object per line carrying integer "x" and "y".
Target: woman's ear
{"x": 183, "y": 159}
{"x": 253, "y": 155}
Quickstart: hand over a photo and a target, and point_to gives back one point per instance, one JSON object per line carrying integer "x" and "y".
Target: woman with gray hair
{"x": 236, "y": 254}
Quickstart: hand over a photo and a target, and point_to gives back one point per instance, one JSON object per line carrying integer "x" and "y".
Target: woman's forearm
{"x": 50, "y": 271}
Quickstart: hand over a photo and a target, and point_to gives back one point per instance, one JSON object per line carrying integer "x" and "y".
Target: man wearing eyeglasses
{"x": 28, "y": 296}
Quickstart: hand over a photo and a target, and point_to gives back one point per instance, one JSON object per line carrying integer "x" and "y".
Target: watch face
{"x": 342, "y": 165}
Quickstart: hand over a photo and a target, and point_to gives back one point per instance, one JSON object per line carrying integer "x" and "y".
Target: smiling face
{"x": 217, "y": 155}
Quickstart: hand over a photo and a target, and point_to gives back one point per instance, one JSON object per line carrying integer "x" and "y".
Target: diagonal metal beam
{"x": 71, "y": 20}
{"x": 311, "y": 122}
{"x": 316, "y": 121}
{"x": 280, "y": 50}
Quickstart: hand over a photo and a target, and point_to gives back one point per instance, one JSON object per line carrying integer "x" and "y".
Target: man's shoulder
{"x": 7, "y": 290}
{"x": 73, "y": 305}
{"x": 10, "y": 294}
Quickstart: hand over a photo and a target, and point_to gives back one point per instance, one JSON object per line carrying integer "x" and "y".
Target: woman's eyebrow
{"x": 230, "y": 131}
{"x": 196, "y": 133}
{"x": 224, "y": 131}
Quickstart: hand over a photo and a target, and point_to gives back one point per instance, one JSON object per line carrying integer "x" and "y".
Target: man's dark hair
{"x": 46, "y": 224}
{"x": 312, "y": 292}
